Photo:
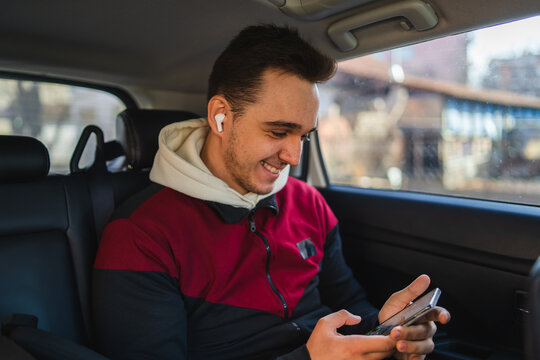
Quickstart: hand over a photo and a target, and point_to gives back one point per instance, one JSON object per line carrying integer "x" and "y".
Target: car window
{"x": 458, "y": 115}
{"x": 56, "y": 114}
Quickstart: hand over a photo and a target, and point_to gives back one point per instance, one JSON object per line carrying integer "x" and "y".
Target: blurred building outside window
{"x": 56, "y": 114}
{"x": 458, "y": 115}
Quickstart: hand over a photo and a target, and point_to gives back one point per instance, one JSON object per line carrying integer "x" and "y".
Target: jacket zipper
{"x": 253, "y": 229}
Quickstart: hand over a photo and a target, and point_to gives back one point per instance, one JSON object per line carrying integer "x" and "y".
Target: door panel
{"x": 478, "y": 252}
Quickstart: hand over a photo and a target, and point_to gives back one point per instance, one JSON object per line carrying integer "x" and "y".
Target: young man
{"x": 234, "y": 260}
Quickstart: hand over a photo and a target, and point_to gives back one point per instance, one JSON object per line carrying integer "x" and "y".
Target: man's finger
{"x": 415, "y": 347}
{"x": 397, "y": 301}
{"x": 414, "y": 332}
{"x": 438, "y": 314}
{"x": 370, "y": 344}
{"x": 378, "y": 355}
{"x": 338, "y": 319}
{"x": 411, "y": 292}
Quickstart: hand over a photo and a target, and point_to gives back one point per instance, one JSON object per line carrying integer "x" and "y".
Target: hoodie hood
{"x": 178, "y": 165}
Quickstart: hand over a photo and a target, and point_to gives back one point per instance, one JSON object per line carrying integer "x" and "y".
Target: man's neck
{"x": 215, "y": 163}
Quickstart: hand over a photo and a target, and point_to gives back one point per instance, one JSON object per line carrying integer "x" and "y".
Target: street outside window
{"x": 56, "y": 114}
{"x": 457, "y": 116}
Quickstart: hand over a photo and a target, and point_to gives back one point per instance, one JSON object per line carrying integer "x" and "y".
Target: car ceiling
{"x": 170, "y": 45}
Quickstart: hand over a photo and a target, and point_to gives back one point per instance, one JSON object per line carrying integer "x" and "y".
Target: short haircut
{"x": 237, "y": 72}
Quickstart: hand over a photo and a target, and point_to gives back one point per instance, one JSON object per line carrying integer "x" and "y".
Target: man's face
{"x": 269, "y": 134}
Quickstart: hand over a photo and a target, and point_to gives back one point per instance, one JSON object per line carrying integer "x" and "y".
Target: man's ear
{"x": 218, "y": 114}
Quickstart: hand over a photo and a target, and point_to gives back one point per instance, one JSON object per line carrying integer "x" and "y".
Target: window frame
{"x": 121, "y": 94}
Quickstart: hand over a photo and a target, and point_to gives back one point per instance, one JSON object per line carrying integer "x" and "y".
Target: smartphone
{"x": 409, "y": 314}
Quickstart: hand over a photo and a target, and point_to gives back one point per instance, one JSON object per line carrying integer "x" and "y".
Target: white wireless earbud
{"x": 219, "y": 121}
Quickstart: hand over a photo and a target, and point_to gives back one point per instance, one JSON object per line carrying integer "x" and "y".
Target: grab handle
{"x": 420, "y": 15}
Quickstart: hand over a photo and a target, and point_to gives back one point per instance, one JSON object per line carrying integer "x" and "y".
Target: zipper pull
{"x": 251, "y": 223}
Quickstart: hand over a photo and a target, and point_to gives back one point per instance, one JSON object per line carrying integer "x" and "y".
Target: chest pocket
{"x": 306, "y": 248}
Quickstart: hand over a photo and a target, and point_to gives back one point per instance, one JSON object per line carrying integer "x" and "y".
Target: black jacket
{"x": 183, "y": 278}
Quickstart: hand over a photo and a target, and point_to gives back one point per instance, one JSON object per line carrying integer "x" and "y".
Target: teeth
{"x": 270, "y": 168}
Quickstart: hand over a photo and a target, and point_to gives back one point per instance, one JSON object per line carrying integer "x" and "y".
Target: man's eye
{"x": 279, "y": 134}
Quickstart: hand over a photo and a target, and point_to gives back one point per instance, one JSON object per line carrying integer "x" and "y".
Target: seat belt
{"x": 101, "y": 190}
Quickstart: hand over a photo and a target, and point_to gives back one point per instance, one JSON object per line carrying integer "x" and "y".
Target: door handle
{"x": 521, "y": 302}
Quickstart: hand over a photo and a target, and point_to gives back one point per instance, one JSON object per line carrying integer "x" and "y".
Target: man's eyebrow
{"x": 286, "y": 124}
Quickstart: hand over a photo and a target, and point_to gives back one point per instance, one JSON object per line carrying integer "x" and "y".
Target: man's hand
{"x": 415, "y": 341}
{"x": 326, "y": 343}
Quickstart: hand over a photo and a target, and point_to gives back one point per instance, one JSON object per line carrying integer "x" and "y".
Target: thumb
{"x": 402, "y": 298}
{"x": 340, "y": 318}
{"x": 413, "y": 290}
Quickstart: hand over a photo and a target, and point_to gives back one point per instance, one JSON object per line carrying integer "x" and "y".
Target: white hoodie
{"x": 178, "y": 165}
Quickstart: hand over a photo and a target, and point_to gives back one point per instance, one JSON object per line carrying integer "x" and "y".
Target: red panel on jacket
{"x": 219, "y": 262}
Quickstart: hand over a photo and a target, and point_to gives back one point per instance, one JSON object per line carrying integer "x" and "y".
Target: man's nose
{"x": 291, "y": 151}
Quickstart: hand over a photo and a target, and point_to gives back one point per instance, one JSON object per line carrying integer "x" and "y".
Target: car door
{"x": 478, "y": 252}
{"x": 430, "y": 170}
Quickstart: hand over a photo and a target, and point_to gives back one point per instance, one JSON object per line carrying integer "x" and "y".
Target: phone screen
{"x": 409, "y": 314}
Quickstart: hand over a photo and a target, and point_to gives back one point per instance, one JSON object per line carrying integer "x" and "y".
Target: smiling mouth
{"x": 270, "y": 168}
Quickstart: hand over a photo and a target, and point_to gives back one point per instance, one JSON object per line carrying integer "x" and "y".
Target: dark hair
{"x": 237, "y": 72}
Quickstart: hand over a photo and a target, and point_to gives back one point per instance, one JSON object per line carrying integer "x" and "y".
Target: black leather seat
{"x": 137, "y": 142}
{"x": 137, "y": 131}
{"x": 47, "y": 241}
{"x": 48, "y": 234}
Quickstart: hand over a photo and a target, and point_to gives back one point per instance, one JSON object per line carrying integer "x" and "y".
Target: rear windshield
{"x": 56, "y": 114}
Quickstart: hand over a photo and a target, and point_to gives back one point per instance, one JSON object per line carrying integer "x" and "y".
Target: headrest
{"x": 137, "y": 130}
{"x": 22, "y": 158}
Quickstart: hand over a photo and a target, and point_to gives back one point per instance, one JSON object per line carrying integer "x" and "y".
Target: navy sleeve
{"x": 300, "y": 353}
{"x": 138, "y": 315}
{"x": 340, "y": 290}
